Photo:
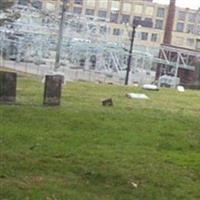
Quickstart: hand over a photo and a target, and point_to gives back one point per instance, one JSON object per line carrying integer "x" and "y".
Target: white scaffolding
{"x": 87, "y": 46}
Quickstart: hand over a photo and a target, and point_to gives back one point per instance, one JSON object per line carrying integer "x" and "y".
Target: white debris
{"x": 181, "y": 88}
{"x": 135, "y": 185}
{"x": 150, "y": 87}
{"x": 137, "y": 96}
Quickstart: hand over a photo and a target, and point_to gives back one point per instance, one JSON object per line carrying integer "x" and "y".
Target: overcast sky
{"x": 183, "y": 3}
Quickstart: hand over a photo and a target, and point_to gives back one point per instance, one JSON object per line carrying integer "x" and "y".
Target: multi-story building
{"x": 173, "y": 31}
{"x": 151, "y": 16}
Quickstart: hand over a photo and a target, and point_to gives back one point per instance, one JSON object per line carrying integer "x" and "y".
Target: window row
{"x": 104, "y": 30}
{"x": 191, "y": 17}
{"x": 145, "y": 36}
{"x": 189, "y": 42}
{"x": 124, "y": 19}
{"x": 125, "y": 7}
{"x": 188, "y": 28}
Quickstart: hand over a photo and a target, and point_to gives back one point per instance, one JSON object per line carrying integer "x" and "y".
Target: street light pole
{"x": 130, "y": 55}
{"x": 60, "y": 37}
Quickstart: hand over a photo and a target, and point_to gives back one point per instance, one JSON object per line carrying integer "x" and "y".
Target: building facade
{"x": 151, "y": 16}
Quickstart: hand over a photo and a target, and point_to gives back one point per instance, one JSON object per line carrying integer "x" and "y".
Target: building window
{"x": 198, "y": 44}
{"x": 191, "y": 17}
{"x": 180, "y": 27}
{"x": 23, "y": 2}
{"x": 159, "y": 24}
{"x": 125, "y": 19}
{"x": 66, "y": 8}
{"x": 114, "y": 17}
{"x": 154, "y": 37}
{"x": 190, "y": 28}
{"x": 144, "y": 36}
{"x": 89, "y": 12}
{"x": 137, "y": 35}
{"x": 77, "y": 10}
{"x": 160, "y": 12}
{"x": 80, "y": 2}
{"x": 103, "y": 30}
{"x": 181, "y": 15}
{"x": 190, "y": 42}
{"x": 116, "y": 31}
{"x": 137, "y": 20}
{"x": 102, "y": 14}
{"x": 198, "y": 30}
{"x": 198, "y": 18}
{"x": 147, "y": 22}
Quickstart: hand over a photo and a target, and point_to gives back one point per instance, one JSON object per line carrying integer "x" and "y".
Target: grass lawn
{"x": 83, "y": 151}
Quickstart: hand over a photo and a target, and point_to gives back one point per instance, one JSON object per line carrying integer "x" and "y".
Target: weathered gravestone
{"x": 8, "y": 83}
{"x": 52, "y": 90}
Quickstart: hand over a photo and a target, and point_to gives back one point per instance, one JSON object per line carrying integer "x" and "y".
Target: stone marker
{"x": 8, "y": 83}
{"x": 107, "y": 102}
{"x": 151, "y": 87}
{"x": 137, "y": 96}
{"x": 52, "y": 90}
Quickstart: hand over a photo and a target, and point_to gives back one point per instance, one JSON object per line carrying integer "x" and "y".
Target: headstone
{"x": 52, "y": 90}
{"x": 8, "y": 83}
{"x": 107, "y": 102}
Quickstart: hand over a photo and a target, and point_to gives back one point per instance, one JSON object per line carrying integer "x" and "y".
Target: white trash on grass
{"x": 135, "y": 185}
{"x": 181, "y": 88}
{"x": 150, "y": 87}
{"x": 137, "y": 96}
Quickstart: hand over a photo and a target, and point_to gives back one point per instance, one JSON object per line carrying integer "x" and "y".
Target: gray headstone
{"x": 52, "y": 90}
{"x": 8, "y": 83}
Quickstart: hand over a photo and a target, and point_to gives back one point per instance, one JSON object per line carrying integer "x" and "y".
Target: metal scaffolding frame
{"x": 87, "y": 45}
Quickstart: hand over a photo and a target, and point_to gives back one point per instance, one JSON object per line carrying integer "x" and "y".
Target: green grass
{"x": 83, "y": 151}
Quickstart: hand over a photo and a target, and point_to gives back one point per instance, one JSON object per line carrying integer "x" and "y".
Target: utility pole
{"x": 60, "y": 37}
{"x": 130, "y": 54}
